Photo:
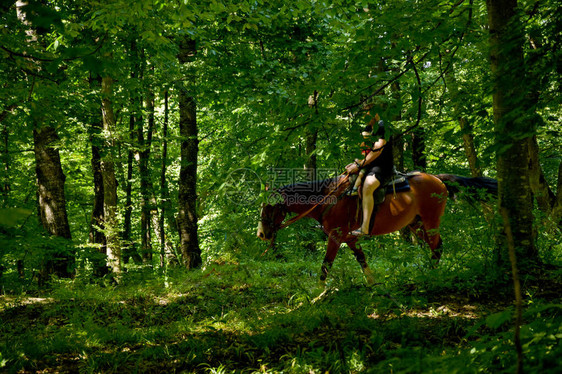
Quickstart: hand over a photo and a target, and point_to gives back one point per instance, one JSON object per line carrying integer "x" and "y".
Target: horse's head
{"x": 270, "y": 221}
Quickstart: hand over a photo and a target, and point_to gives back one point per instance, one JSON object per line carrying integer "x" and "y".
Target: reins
{"x": 305, "y": 213}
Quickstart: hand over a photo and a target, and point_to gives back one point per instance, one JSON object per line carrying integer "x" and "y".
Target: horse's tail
{"x": 477, "y": 188}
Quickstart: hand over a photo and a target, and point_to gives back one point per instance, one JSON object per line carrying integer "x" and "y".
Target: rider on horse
{"x": 377, "y": 166}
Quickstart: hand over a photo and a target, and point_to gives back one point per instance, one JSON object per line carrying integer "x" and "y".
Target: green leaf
{"x": 496, "y": 320}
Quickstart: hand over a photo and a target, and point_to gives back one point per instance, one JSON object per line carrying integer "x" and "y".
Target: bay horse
{"x": 420, "y": 208}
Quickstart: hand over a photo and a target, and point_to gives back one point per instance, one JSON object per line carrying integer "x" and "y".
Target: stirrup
{"x": 358, "y": 233}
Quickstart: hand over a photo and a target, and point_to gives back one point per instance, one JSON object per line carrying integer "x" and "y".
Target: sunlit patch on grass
{"x": 267, "y": 316}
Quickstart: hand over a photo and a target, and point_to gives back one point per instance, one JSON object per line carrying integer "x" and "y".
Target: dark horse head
{"x": 272, "y": 217}
{"x": 294, "y": 198}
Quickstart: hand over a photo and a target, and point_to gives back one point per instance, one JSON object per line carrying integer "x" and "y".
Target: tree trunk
{"x": 128, "y": 243}
{"x": 142, "y": 153}
{"x": 311, "y": 164}
{"x": 310, "y": 140}
{"x": 418, "y": 149}
{"x": 51, "y": 200}
{"x": 542, "y": 192}
{"x": 166, "y": 252}
{"x": 469, "y": 148}
{"x": 151, "y": 209}
{"x": 187, "y": 196}
{"x": 547, "y": 201}
{"x": 5, "y": 157}
{"x": 142, "y": 157}
{"x": 397, "y": 144}
{"x": 557, "y": 209}
{"x": 50, "y": 177}
{"x": 511, "y": 126}
{"x": 135, "y": 107}
{"x": 114, "y": 259}
{"x": 97, "y": 236}
{"x": 50, "y": 180}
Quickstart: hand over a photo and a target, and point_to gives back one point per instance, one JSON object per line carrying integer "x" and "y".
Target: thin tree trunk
{"x": 97, "y": 236}
{"x": 5, "y": 157}
{"x": 311, "y": 138}
{"x": 469, "y": 148}
{"x": 542, "y": 192}
{"x": 166, "y": 252}
{"x": 163, "y": 184}
{"x": 547, "y": 201}
{"x": 557, "y": 208}
{"x": 151, "y": 209}
{"x": 311, "y": 164}
{"x": 187, "y": 194}
{"x": 418, "y": 149}
{"x": 397, "y": 144}
{"x": 114, "y": 258}
{"x": 5, "y": 185}
{"x": 515, "y": 197}
{"x": 129, "y": 250}
{"x": 143, "y": 152}
{"x": 135, "y": 107}
{"x": 142, "y": 157}
{"x": 516, "y": 289}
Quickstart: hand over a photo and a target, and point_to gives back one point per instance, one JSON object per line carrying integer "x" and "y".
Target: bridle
{"x": 305, "y": 213}
{"x": 270, "y": 221}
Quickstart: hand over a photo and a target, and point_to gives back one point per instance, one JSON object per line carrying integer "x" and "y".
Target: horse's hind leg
{"x": 427, "y": 230}
{"x": 360, "y": 256}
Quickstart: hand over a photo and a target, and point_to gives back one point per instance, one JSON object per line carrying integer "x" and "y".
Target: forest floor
{"x": 272, "y": 316}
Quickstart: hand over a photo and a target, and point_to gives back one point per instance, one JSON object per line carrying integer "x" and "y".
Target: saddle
{"x": 398, "y": 183}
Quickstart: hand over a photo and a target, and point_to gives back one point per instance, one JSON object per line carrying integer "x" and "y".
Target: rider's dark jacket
{"x": 383, "y": 166}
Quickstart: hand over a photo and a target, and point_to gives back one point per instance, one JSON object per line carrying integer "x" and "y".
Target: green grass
{"x": 247, "y": 312}
{"x": 266, "y": 316}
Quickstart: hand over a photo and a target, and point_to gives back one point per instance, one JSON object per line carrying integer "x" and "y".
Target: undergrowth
{"x": 271, "y": 316}
{"x": 256, "y": 311}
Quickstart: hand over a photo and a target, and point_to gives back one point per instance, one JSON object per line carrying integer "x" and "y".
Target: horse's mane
{"x": 317, "y": 187}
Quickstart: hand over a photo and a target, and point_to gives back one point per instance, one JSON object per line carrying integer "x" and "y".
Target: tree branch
{"x": 45, "y": 59}
{"x": 410, "y": 61}
{"x": 394, "y": 79}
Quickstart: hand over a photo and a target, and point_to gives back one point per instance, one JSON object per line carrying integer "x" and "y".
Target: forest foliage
{"x": 132, "y": 98}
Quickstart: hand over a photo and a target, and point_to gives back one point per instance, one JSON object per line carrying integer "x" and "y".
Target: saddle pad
{"x": 399, "y": 185}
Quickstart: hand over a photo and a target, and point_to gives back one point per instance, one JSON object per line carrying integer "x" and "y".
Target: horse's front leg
{"x": 331, "y": 252}
{"x": 360, "y": 256}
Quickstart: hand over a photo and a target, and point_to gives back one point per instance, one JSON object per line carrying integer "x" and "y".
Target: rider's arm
{"x": 377, "y": 150}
